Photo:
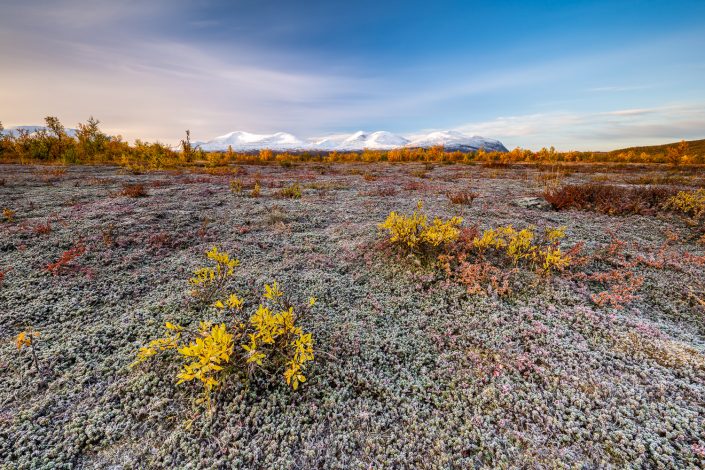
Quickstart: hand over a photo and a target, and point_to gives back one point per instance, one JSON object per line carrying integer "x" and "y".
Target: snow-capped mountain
{"x": 247, "y": 141}
{"x": 360, "y": 140}
{"x": 33, "y": 129}
{"x": 380, "y": 140}
{"x": 454, "y": 140}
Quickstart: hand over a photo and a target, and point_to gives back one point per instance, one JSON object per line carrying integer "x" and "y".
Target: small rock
{"x": 532, "y": 203}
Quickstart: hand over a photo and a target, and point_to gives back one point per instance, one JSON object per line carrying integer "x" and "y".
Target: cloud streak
{"x": 154, "y": 88}
{"x": 621, "y": 128}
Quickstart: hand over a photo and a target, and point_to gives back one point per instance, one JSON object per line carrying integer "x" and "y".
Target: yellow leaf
{"x": 172, "y": 327}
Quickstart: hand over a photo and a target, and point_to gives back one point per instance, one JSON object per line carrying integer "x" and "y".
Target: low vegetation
{"x": 462, "y": 197}
{"x": 209, "y": 281}
{"x": 524, "y": 247}
{"x": 292, "y": 191}
{"x": 480, "y": 329}
{"x": 415, "y": 234}
{"x": 65, "y": 262}
{"x": 90, "y": 145}
{"x": 690, "y": 203}
{"x": 609, "y": 199}
{"x": 238, "y": 346}
{"x": 8, "y": 215}
{"x": 133, "y": 190}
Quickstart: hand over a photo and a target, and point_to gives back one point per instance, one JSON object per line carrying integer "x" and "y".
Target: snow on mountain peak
{"x": 379, "y": 140}
{"x": 455, "y": 140}
{"x": 34, "y": 129}
{"x": 360, "y": 140}
{"x": 241, "y": 140}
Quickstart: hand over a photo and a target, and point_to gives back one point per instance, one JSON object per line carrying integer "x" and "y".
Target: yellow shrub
{"x": 276, "y": 334}
{"x": 691, "y": 203}
{"x": 551, "y": 259}
{"x": 160, "y": 344}
{"x": 28, "y": 339}
{"x": 270, "y": 339}
{"x": 270, "y": 329}
{"x": 236, "y": 186}
{"x": 8, "y": 215}
{"x": 413, "y": 232}
{"x": 208, "y": 281}
{"x": 555, "y": 234}
{"x": 520, "y": 246}
{"x": 210, "y": 353}
{"x": 292, "y": 191}
{"x": 489, "y": 239}
{"x": 256, "y": 189}
{"x": 25, "y": 339}
{"x": 517, "y": 245}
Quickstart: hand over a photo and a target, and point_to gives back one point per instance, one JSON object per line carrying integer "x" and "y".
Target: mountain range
{"x": 379, "y": 140}
{"x": 32, "y": 129}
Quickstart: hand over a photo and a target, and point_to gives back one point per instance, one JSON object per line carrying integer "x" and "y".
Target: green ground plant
{"x": 293, "y": 191}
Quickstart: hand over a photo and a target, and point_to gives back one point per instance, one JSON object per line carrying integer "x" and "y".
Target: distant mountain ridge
{"x": 32, "y": 129}
{"x": 695, "y": 147}
{"x": 379, "y": 140}
{"x": 358, "y": 141}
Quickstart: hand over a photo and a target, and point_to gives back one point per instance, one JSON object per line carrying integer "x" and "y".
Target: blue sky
{"x": 577, "y": 75}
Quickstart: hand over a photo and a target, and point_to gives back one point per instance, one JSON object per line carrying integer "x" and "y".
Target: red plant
{"x": 42, "y": 229}
{"x": 163, "y": 241}
{"x": 415, "y": 186}
{"x": 609, "y": 199}
{"x": 483, "y": 277}
{"x": 621, "y": 288}
{"x": 576, "y": 256}
{"x": 2, "y": 274}
{"x": 462, "y": 197}
{"x": 66, "y": 258}
{"x": 133, "y": 190}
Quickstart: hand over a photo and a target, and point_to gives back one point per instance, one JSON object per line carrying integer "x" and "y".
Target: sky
{"x": 578, "y": 75}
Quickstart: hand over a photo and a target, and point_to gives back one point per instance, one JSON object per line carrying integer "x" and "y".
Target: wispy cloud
{"x": 618, "y": 89}
{"x": 153, "y": 69}
{"x": 151, "y": 87}
{"x": 596, "y": 131}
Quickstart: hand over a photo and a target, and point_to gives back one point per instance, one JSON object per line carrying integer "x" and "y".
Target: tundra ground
{"x": 411, "y": 370}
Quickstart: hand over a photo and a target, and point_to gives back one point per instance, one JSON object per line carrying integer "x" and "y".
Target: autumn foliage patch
{"x": 66, "y": 260}
{"x": 609, "y": 199}
{"x": 133, "y": 190}
{"x": 269, "y": 341}
{"x": 416, "y": 234}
